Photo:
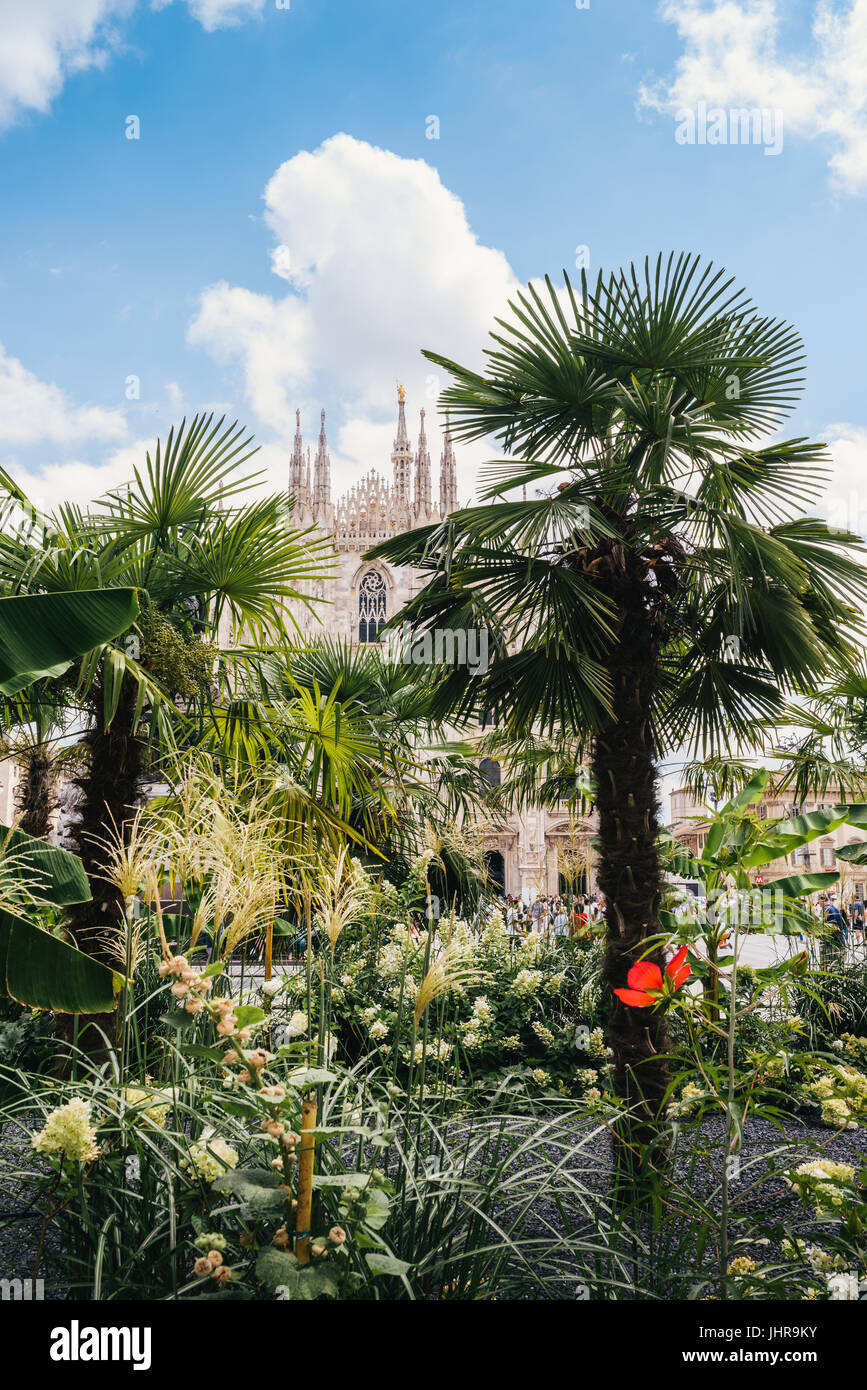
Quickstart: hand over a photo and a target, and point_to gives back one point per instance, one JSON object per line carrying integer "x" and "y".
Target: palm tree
{"x": 347, "y": 733}
{"x": 662, "y": 588}
{"x": 209, "y": 562}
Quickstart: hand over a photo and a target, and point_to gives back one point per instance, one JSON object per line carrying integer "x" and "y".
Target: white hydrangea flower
{"x": 527, "y": 982}
{"x": 68, "y": 1133}
{"x": 210, "y": 1159}
{"x": 545, "y": 1036}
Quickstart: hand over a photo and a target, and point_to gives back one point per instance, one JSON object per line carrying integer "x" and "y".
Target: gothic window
{"x": 371, "y": 606}
{"x": 490, "y": 771}
{"x": 496, "y": 867}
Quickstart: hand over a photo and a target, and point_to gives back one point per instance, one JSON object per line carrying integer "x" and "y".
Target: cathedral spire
{"x": 448, "y": 475}
{"x": 322, "y": 478}
{"x": 422, "y": 498}
{"x": 402, "y": 458}
{"x": 299, "y": 485}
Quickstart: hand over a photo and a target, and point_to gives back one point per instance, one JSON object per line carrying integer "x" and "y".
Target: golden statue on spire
{"x": 401, "y": 394}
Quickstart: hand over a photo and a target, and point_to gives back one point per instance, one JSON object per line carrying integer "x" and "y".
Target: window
{"x": 496, "y": 870}
{"x": 490, "y": 771}
{"x": 371, "y": 606}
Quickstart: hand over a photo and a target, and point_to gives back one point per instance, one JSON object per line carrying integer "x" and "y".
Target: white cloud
{"x": 34, "y": 411}
{"x": 77, "y": 481}
{"x": 733, "y": 58}
{"x": 381, "y": 262}
{"x": 844, "y": 502}
{"x": 42, "y": 42}
{"x": 222, "y": 14}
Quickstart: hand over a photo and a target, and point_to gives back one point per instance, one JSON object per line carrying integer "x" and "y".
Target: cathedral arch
{"x": 372, "y": 604}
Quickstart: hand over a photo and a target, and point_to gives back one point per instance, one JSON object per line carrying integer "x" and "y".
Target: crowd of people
{"x": 847, "y": 923}
{"x": 572, "y": 915}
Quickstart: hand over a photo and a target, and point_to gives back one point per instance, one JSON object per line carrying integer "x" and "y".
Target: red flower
{"x": 646, "y": 985}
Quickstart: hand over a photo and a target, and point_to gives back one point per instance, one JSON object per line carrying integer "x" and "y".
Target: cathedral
{"x": 538, "y": 852}
{"x": 363, "y": 596}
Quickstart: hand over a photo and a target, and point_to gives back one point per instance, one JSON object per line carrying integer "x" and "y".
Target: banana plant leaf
{"x": 795, "y": 885}
{"x": 42, "y": 634}
{"x": 792, "y": 834}
{"x": 42, "y": 972}
{"x": 35, "y": 967}
{"x": 675, "y": 858}
{"x": 45, "y": 871}
{"x": 853, "y": 854}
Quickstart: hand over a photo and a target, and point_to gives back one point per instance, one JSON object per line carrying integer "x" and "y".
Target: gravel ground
{"x": 559, "y": 1223}
{"x": 20, "y": 1222}
{"x": 552, "y": 1203}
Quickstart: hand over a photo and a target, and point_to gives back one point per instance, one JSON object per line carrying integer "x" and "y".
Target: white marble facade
{"x": 360, "y": 596}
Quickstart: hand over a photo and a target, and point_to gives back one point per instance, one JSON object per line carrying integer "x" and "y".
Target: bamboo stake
{"x": 269, "y": 955}
{"x": 269, "y": 942}
{"x": 305, "y": 1182}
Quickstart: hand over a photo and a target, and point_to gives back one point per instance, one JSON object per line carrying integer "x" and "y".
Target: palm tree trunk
{"x": 35, "y": 792}
{"x": 109, "y": 787}
{"x": 628, "y": 872}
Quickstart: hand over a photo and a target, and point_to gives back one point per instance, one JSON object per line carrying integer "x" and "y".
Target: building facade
{"x": 689, "y": 823}
{"x": 532, "y": 854}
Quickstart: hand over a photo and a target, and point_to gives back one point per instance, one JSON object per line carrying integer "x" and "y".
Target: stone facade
{"x": 360, "y": 597}
{"x": 690, "y": 826}
{"x": 528, "y": 853}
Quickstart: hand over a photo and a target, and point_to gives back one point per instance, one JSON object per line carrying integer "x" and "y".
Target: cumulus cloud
{"x": 34, "y": 411}
{"x": 733, "y": 58}
{"x": 218, "y": 14}
{"x": 42, "y": 42}
{"x": 844, "y": 502}
{"x": 75, "y": 480}
{"x": 380, "y": 261}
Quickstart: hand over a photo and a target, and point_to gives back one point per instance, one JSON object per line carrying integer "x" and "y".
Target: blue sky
{"x": 154, "y": 258}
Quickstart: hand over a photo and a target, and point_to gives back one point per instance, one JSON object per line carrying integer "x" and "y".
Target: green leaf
{"x": 179, "y": 1019}
{"x": 378, "y": 1206}
{"x": 853, "y": 854}
{"x": 356, "y": 1180}
{"x": 279, "y": 1268}
{"x": 752, "y": 792}
{"x": 257, "y": 1189}
{"x": 314, "y": 1076}
{"x": 380, "y": 1263}
{"x": 53, "y": 874}
{"x": 248, "y": 1015}
{"x": 44, "y": 973}
{"x": 42, "y": 634}
{"x": 796, "y": 885}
